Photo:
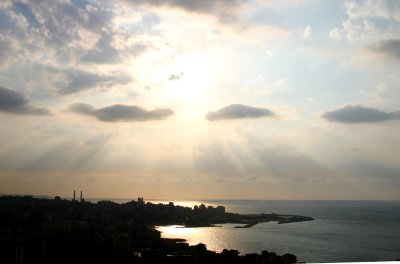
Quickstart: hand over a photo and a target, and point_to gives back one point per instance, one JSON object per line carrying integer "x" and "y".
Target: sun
{"x": 188, "y": 79}
{"x": 187, "y": 82}
{"x": 197, "y": 78}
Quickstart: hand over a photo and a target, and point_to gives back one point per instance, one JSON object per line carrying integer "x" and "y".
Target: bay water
{"x": 343, "y": 231}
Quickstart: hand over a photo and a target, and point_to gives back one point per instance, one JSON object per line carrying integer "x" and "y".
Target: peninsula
{"x": 201, "y": 216}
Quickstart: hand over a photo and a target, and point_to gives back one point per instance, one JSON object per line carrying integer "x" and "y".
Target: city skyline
{"x": 182, "y": 100}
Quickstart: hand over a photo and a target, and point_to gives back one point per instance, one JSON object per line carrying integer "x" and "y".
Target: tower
{"x": 81, "y": 197}
{"x": 74, "y": 196}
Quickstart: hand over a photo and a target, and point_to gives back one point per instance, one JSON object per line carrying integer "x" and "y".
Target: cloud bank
{"x": 13, "y": 102}
{"x": 238, "y": 111}
{"x": 121, "y": 113}
{"x": 359, "y": 114}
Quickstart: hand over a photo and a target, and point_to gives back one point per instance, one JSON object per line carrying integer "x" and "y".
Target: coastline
{"x": 42, "y": 230}
{"x": 317, "y": 243}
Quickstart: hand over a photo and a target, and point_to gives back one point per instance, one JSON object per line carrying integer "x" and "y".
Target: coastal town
{"x": 47, "y": 230}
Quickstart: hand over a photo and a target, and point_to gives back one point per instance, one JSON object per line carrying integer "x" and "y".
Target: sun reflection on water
{"x": 216, "y": 238}
{"x": 177, "y": 231}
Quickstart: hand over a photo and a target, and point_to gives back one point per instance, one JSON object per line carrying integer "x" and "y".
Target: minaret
{"x": 74, "y": 196}
{"x": 81, "y": 197}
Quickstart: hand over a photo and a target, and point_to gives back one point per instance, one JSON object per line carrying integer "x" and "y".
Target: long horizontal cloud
{"x": 13, "y": 102}
{"x": 220, "y": 7}
{"x": 390, "y": 47}
{"x": 118, "y": 112}
{"x": 238, "y": 111}
{"x": 359, "y": 114}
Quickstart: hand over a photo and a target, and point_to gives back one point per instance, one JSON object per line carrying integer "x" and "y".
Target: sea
{"x": 343, "y": 231}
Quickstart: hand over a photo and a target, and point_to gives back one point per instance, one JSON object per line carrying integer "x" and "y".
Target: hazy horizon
{"x": 226, "y": 99}
{"x": 179, "y": 201}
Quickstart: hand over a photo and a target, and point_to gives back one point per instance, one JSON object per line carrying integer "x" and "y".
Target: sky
{"x": 200, "y": 99}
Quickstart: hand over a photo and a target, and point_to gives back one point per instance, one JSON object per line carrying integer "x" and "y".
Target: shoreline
{"x": 40, "y": 230}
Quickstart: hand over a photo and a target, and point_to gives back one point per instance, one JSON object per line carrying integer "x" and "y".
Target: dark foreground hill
{"x": 38, "y": 230}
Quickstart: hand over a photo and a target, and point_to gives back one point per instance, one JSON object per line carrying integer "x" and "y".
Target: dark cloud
{"x": 118, "y": 112}
{"x": 64, "y": 27}
{"x": 359, "y": 114}
{"x": 238, "y": 111}
{"x": 84, "y": 80}
{"x": 103, "y": 52}
{"x": 221, "y": 8}
{"x": 66, "y": 20}
{"x": 81, "y": 108}
{"x": 390, "y": 47}
{"x": 13, "y": 102}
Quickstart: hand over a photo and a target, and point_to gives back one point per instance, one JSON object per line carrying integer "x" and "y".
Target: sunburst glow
{"x": 200, "y": 99}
